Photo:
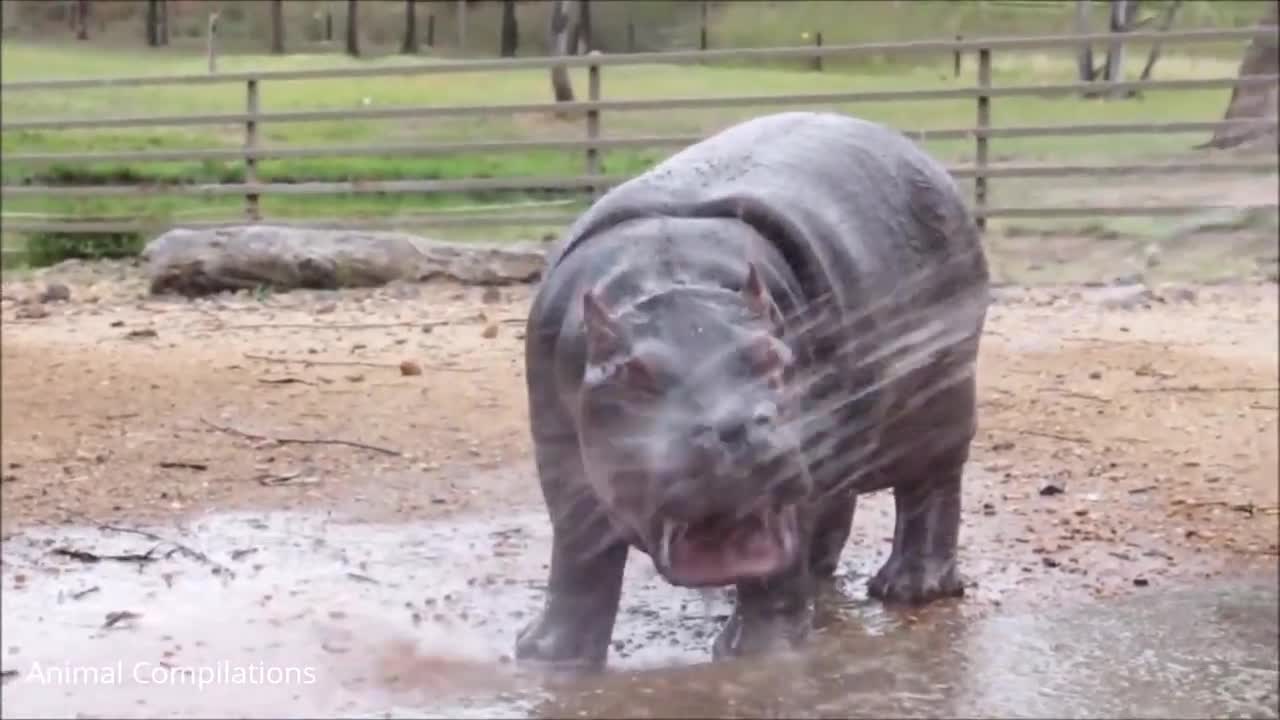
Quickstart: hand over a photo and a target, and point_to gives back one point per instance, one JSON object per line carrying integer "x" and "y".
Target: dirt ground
{"x": 1118, "y": 424}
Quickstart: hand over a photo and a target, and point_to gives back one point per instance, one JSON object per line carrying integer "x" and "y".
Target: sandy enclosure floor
{"x": 1125, "y": 434}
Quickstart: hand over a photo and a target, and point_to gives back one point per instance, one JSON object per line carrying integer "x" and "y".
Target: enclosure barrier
{"x": 593, "y": 181}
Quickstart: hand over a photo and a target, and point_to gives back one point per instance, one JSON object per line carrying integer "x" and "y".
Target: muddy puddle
{"x": 282, "y": 615}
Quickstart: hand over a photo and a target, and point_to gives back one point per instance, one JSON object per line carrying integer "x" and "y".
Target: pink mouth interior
{"x": 716, "y": 552}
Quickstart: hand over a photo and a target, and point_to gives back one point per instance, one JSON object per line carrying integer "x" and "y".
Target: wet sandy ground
{"x": 294, "y": 614}
{"x": 1128, "y": 452}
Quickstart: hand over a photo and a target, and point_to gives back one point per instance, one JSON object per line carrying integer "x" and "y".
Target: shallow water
{"x": 296, "y": 614}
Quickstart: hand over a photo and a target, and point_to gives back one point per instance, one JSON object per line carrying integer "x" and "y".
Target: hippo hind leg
{"x": 922, "y": 565}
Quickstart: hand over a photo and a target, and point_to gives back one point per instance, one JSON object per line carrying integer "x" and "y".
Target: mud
{"x": 293, "y": 613}
{"x": 1120, "y": 521}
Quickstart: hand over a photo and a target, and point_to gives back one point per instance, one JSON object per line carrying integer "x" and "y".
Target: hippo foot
{"x": 915, "y": 581}
{"x": 560, "y": 645}
{"x": 743, "y": 636}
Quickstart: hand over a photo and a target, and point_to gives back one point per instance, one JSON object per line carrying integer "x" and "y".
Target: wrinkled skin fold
{"x": 726, "y": 351}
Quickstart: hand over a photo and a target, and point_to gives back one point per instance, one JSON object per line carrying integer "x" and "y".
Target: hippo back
{"x": 857, "y": 209}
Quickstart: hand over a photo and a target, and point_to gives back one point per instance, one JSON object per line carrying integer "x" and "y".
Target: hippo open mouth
{"x": 721, "y": 550}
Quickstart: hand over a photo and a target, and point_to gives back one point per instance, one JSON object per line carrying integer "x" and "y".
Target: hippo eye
{"x": 639, "y": 375}
{"x": 767, "y": 356}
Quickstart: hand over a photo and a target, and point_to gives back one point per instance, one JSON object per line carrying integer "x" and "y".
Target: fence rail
{"x": 587, "y": 106}
{"x": 681, "y": 57}
{"x": 590, "y": 110}
{"x": 576, "y": 182}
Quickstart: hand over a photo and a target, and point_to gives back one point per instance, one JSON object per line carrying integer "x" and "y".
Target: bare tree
{"x": 153, "y": 23}
{"x": 1170, "y": 13}
{"x": 410, "y": 45}
{"x": 510, "y": 34}
{"x": 277, "y": 27}
{"x": 563, "y": 41}
{"x": 82, "y": 19}
{"x": 1084, "y": 59}
{"x": 1124, "y": 14}
{"x": 585, "y": 39}
{"x": 1123, "y": 18}
{"x": 353, "y": 28}
{"x": 1257, "y": 101}
{"x": 163, "y": 25}
{"x": 462, "y": 25}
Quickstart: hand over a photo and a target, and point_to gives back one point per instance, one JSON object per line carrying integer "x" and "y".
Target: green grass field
{"x": 32, "y": 60}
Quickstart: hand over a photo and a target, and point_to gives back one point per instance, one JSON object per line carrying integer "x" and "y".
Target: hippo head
{"x": 684, "y": 425}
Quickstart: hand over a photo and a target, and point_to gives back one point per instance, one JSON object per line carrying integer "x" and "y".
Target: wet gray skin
{"x": 363, "y": 620}
{"x": 729, "y": 349}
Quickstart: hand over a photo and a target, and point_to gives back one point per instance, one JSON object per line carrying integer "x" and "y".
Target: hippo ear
{"x": 754, "y": 291}
{"x": 756, "y": 294}
{"x": 758, "y": 300}
{"x": 603, "y": 333}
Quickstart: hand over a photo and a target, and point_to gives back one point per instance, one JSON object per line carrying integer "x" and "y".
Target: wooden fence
{"x": 982, "y": 133}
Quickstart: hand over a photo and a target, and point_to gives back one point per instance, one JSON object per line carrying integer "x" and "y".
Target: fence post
{"x": 251, "y": 207}
{"x": 981, "y": 149}
{"x": 817, "y": 59}
{"x": 593, "y": 124}
{"x": 212, "y": 42}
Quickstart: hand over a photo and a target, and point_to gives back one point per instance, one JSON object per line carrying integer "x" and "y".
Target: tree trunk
{"x": 277, "y": 27}
{"x": 1259, "y": 101}
{"x": 410, "y": 45}
{"x": 153, "y": 22}
{"x": 353, "y": 28}
{"x": 462, "y": 25}
{"x": 510, "y": 30}
{"x": 583, "y": 28}
{"x": 82, "y": 19}
{"x": 1084, "y": 59}
{"x": 1124, "y": 13}
{"x": 562, "y": 42}
{"x": 163, "y": 25}
{"x": 1170, "y": 13}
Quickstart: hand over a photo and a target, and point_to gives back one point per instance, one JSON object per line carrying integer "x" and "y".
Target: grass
{"x": 31, "y": 60}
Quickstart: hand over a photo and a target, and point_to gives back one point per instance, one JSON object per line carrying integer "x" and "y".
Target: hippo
{"x": 725, "y": 351}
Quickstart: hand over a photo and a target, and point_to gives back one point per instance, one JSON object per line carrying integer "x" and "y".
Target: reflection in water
{"x": 415, "y": 621}
{"x": 1187, "y": 653}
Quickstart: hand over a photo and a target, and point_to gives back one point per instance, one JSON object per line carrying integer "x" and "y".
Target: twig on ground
{"x": 353, "y": 326}
{"x": 351, "y": 363}
{"x": 1053, "y": 436}
{"x": 328, "y": 363}
{"x": 284, "y": 381}
{"x": 89, "y": 557}
{"x": 1133, "y": 341}
{"x": 301, "y": 441}
{"x": 184, "y": 549}
{"x": 331, "y": 326}
{"x": 118, "y": 616}
{"x": 1074, "y": 394}
{"x": 1201, "y": 389}
{"x": 182, "y": 465}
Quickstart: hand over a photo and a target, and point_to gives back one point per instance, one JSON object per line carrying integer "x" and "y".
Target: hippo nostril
{"x": 702, "y": 433}
{"x": 764, "y": 415}
{"x": 733, "y": 434}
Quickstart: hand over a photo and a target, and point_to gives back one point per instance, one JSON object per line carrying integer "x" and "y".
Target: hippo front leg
{"x": 584, "y": 582}
{"x": 769, "y": 615}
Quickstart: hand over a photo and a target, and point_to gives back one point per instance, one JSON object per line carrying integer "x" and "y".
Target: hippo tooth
{"x": 670, "y": 531}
